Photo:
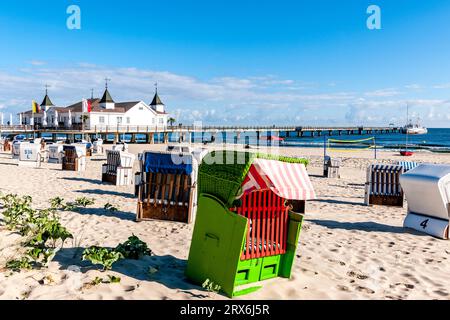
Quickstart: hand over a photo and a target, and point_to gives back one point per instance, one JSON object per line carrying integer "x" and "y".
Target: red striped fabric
{"x": 287, "y": 180}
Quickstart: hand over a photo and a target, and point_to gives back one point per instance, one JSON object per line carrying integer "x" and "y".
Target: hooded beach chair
{"x": 15, "y": 149}
{"x": 97, "y": 146}
{"x": 383, "y": 185}
{"x": 118, "y": 169}
{"x": 246, "y": 230}
{"x": 74, "y": 158}
{"x": 331, "y": 167}
{"x": 87, "y": 146}
{"x": 166, "y": 186}
{"x": 55, "y": 153}
{"x": 30, "y": 155}
{"x": 427, "y": 190}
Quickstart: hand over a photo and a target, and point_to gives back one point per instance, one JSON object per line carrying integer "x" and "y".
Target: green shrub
{"x": 134, "y": 248}
{"x": 102, "y": 256}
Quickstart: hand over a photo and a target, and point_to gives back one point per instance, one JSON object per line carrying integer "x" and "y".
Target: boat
{"x": 414, "y": 129}
{"x": 406, "y": 153}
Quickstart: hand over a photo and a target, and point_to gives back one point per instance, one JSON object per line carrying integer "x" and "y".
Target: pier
{"x": 186, "y": 132}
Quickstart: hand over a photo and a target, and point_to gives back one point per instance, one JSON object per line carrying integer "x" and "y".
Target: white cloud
{"x": 221, "y": 100}
{"x": 37, "y": 63}
{"x": 383, "y": 93}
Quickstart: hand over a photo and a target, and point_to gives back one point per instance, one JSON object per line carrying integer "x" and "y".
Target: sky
{"x": 230, "y": 62}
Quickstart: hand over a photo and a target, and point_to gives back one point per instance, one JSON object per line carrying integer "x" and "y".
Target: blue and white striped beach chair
{"x": 383, "y": 185}
{"x": 407, "y": 165}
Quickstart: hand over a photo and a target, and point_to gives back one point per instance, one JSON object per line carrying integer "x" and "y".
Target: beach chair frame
{"x": 239, "y": 243}
{"x": 383, "y": 186}
{"x": 169, "y": 197}
{"x": 118, "y": 169}
{"x": 331, "y": 168}
{"x": 71, "y": 161}
{"x": 166, "y": 197}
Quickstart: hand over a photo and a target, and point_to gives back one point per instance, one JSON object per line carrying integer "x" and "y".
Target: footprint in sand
{"x": 358, "y": 276}
{"x": 365, "y": 290}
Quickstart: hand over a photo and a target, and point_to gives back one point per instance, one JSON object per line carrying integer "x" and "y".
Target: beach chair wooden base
{"x": 166, "y": 197}
{"x": 148, "y": 211}
{"x": 394, "y": 201}
{"x": 435, "y": 227}
{"x": 78, "y": 165}
{"x": 123, "y": 176}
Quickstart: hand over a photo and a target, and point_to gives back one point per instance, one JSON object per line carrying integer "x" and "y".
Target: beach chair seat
{"x": 331, "y": 167}
{"x": 383, "y": 185}
{"x": 427, "y": 191}
{"x": 30, "y": 155}
{"x": 15, "y": 149}
{"x": 74, "y": 158}
{"x": 118, "y": 169}
{"x": 245, "y": 231}
{"x": 166, "y": 186}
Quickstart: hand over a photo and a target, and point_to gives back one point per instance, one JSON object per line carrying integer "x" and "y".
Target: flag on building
{"x": 87, "y": 106}
{"x": 35, "y": 107}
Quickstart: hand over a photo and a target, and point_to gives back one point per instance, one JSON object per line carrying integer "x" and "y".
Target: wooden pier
{"x": 188, "y": 131}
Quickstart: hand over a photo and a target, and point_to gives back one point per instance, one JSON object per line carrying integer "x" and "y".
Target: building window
{"x": 161, "y": 120}
{"x": 119, "y": 120}
{"x": 128, "y": 120}
{"x": 101, "y": 120}
{"x": 153, "y": 121}
{"x": 141, "y": 108}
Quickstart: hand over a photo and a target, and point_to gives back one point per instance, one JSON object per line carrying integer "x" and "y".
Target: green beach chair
{"x": 246, "y": 230}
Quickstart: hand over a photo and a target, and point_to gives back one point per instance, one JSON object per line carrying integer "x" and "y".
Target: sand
{"x": 347, "y": 250}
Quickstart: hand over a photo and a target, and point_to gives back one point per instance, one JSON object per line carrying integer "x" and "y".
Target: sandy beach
{"x": 347, "y": 250}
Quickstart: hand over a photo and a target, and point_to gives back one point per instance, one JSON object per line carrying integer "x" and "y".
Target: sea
{"x": 437, "y": 140}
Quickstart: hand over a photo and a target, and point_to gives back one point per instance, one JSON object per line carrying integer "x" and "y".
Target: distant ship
{"x": 414, "y": 129}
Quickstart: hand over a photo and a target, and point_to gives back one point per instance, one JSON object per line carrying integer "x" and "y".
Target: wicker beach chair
{"x": 118, "y": 169}
{"x": 166, "y": 186}
{"x": 331, "y": 167}
{"x": 246, "y": 230}
{"x": 74, "y": 158}
{"x": 427, "y": 191}
{"x": 383, "y": 185}
{"x": 15, "y": 149}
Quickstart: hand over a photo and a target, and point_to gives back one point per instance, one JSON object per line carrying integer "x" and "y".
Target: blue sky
{"x": 224, "y": 62}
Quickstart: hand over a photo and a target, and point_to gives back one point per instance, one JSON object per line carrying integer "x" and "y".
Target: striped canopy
{"x": 287, "y": 180}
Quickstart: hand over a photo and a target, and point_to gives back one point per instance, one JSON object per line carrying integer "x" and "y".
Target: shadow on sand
{"x": 170, "y": 269}
{"x": 339, "y": 202}
{"x": 106, "y": 192}
{"x": 101, "y": 212}
{"x": 368, "y": 226}
{"x": 77, "y": 179}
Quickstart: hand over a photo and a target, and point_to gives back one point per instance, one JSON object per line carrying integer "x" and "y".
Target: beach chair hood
{"x": 287, "y": 180}
{"x": 427, "y": 190}
{"x": 168, "y": 163}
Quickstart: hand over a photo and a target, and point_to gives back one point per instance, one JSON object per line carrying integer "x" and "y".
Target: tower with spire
{"x": 46, "y": 103}
{"x": 107, "y": 101}
{"x": 157, "y": 104}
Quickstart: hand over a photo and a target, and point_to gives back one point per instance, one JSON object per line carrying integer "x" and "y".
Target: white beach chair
{"x": 16, "y": 149}
{"x": 331, "y": 167}
{"x": 55, "y": 153}
{"x": 118, "y": 169}
{"x": 30, "y": 155}
{"x": 427, "y": 190}
{"x": 97, "y": 146}
{"x": 383, "y": 185}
